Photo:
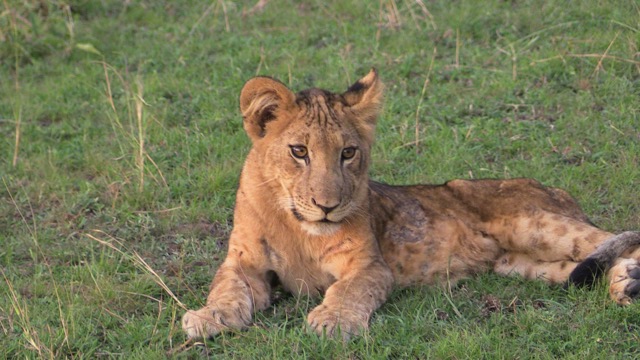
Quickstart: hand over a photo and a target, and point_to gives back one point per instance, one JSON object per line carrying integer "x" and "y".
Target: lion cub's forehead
{"x": 321, "y": 108}
{"x": 322, "y": 120}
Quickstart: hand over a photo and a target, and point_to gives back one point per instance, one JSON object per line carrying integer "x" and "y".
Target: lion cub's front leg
{"x": 237, "y": 290}
{"x": 349, "y": 302}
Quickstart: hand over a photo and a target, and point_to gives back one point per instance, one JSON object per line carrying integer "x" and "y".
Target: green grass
{"x": 121, "y": 146}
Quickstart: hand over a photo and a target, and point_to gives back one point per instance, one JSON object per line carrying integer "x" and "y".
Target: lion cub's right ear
{"x": 261, "y": 100}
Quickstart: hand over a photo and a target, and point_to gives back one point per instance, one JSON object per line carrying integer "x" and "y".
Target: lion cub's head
{"x": 311, "y": 149}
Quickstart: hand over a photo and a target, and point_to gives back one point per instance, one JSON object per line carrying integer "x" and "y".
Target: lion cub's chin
{"x": 320, "y": 228}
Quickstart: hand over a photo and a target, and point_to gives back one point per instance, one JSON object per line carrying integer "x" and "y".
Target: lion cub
{"x": 308, "y": 217}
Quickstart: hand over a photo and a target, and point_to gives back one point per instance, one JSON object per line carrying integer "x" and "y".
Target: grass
{"x": 121, "y": 147}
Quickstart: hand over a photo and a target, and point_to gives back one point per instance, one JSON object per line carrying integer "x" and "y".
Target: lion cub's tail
{"x": 602, "y": 259}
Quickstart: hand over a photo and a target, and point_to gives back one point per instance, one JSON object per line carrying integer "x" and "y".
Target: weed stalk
{"x": 422, "y": 93}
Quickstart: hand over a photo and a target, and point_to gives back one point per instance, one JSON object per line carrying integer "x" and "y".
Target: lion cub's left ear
{"x": 261, "y": 100}
{"x": 365, "y": 100}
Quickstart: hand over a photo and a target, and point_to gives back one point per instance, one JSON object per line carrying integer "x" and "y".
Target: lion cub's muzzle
{"x": 326, "y": 209}
{"x": 320, "y": 212}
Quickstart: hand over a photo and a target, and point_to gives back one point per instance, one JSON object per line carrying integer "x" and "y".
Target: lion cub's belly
{"x": 305, "y": 281}
{"x": 443, "y": 251}
{"x": 425, "y": 246}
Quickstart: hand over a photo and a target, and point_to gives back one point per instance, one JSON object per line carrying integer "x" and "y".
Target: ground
{"x": 122, "y": 144}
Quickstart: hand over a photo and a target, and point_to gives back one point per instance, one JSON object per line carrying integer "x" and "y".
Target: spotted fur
{"x": 308, "y": 218}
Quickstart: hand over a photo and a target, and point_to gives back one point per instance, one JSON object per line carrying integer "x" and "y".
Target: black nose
{"x": 324, "y": 208}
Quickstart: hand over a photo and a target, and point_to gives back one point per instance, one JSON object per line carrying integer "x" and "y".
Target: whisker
{"x": 359, "y": 210}
{"x": 267, "y": 181}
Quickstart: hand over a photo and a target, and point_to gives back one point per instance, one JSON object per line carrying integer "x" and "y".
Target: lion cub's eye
{"x": 299, "y": 151}
{"x": 348, "y": 153}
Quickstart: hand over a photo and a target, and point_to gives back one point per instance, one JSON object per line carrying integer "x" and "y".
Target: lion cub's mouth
{"x": 303, "y": 218}
{"x": 324, "y": 226}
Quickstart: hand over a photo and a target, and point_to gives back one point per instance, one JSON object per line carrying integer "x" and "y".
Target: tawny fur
{"x": 308, "y": 217}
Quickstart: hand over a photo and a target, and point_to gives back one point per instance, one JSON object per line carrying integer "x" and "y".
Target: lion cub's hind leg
{"x": 544, "y": 245}
{"x": 546, "y": 236}
{"x": 555, "y": 272}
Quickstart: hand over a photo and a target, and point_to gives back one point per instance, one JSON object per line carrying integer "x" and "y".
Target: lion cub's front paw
{"x": 337, "y": 322}
{"x": 209, "y": 321}
{"x": 625, "y": 281}
{"x": 203, "y": 323}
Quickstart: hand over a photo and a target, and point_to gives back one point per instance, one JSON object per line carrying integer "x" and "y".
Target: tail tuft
{"x": 586, "y": 273}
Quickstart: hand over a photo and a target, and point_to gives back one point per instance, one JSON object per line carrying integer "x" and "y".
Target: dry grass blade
{"x": 33, "y": 230}
{"x": 257, "y": 7}
{"x": 139, "y": 102}
{"x": 599, "y": 56}
{"x": 135, "y": 133}
{"x": 393, "y": 15}
{"x": 214, "y": 6}
{"x": 514, "y": 60}
{"x": 16, "y": 56}
{"x": 106, "y": 67}
{"x": 427, "y": 13}
{"x": 16, "y": 147}
{"x": 183, "y": 347}
{"x": 448, "y": 294}
{"x": 422, "y": 93}
{"x": 263, "y": 57}
{"x": 22, "y": 313}
{"x": 457, "y": 48}
{"x": 227, "y": 27}
{"x": 116, "y": 123}
{"x": 21, "y": 310}
{"x": 157, "y": 211}
{"x": 606, "y": 52}
{"x": 136, "y": 259}
{"x": 204, "y": 15}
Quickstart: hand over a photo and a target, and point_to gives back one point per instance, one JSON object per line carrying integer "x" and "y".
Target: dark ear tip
{"x": 365, "y": 82}
{"x": 586, "y": 273}
{"x": 372, "y": 76}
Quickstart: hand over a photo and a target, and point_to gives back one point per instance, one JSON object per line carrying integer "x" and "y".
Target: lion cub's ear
{"x": 261, "y": 99}
{"x": 365, "y": 99}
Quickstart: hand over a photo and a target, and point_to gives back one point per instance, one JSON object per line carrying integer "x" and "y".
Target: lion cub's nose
{"x": 326, "y": 209}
